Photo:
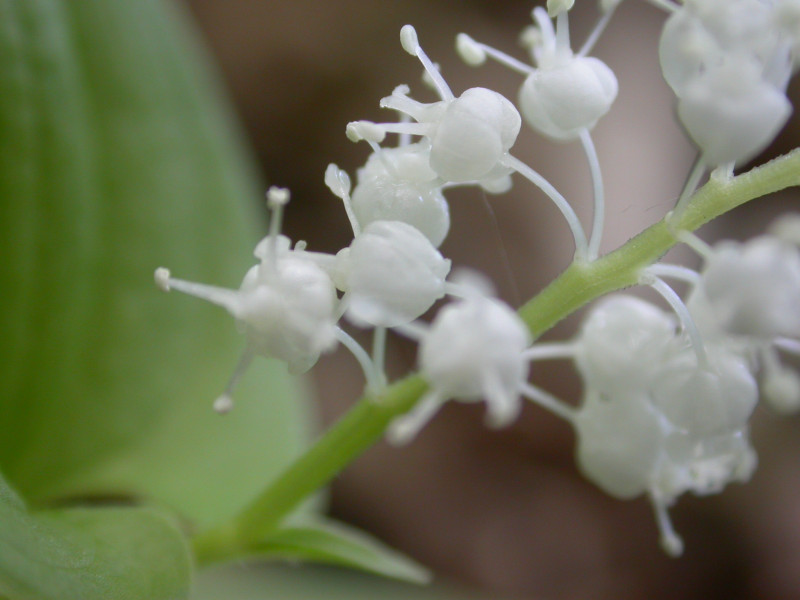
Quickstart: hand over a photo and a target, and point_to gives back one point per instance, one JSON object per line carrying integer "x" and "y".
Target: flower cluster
{"x": 667, "y": 393}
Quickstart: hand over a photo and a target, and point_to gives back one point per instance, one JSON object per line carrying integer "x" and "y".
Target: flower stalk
{"x": 579, "y": 284}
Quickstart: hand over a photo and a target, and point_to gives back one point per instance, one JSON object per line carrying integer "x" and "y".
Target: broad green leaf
{"x": 89, "y": 554}
{"x": 320, "y": 540}
{"x": 116, "y": 157}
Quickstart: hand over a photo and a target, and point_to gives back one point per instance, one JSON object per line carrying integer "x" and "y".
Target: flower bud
{"x": 391, "y": 274}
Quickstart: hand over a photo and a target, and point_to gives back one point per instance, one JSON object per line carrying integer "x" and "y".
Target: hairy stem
{"x": 579, "y": 284}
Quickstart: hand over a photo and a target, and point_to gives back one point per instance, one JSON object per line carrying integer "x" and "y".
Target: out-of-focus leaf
{"x": 319, "y": 540}
{"x": 89, "y": 554}
{"x": 116, "y": 157}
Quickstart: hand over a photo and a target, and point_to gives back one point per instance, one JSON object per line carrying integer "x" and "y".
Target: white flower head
{"x": 623, "y": 341}
{"x": 620, "y": 442}
{"x": 468, "y": 134}
{"x": 472, "y": 351}
{"x": 397, "y": 184}
{"x": 565, "y": 94}
{"x": 753, "y": 288}
{"x": 704, "y": 400}
{"x": 731, "y": 112}
{"x": 286, "y": 305}
{"x": 391, "y": 274}
{"x": 729, "y": 62}
{"x": 564, "y": 100}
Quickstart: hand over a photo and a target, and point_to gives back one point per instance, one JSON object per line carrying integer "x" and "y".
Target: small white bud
{"x": 338, "y": 181}
{"x": 622, "y": 343}
{"x": 474, "y": 350}
{"x": 754, "y": 288}
{"x": 470, "y": 51}
{"x": 563, "y": 100}
{"x": 704, "y": 402}
{"x": 408, "y": 39}
{"x": 620, "y": 440}
{"x": 223, "y": 404}
{"x": 531, "y": 37}
{"x": 731, "y": 113}
{"x": 397, "y": 184}
{"x": 476, "y": 131}
{"x": 162, "y": 276}
{"x": 391, "y": 273}
{"x": 365, "y": 130}
{"x": 277, "y": 196}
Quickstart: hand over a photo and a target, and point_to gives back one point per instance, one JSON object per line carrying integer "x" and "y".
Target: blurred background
{"x": 504, "y": 511}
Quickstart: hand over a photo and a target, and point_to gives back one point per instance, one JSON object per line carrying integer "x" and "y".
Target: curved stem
{"x": 581, "y": 245}
{"x": 599, "y": 194}
{"x": 689, "y": 326}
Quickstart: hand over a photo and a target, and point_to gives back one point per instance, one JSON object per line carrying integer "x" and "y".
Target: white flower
{"x": 391, "y": 274}
{"x": 286, "y": 305}
{"x": 620, "y": 442}
{"x": 732, "y": 113}
{"x": 729, "y": 62}
{"x": 622, "y": 342}
{"x": 565, "y": 94}
{"x": 468, "y": 134}
{"x": 562, "y": 100}
{"x": 707, "y": 400}
{"x": 286, "y": 308}
{"x": 472, "y": 351}
{"x": 397, "y": 184}
{"x": 753, "y": 288}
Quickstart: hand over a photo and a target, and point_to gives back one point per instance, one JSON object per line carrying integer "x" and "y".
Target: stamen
{"x": 228, "y": 299}
{"x": 410, "y": 43}
{"x": 670, "y": 541}
{"x": 338, "y": 182}
{"x": 474, "y": 53}
{"x": 399, "y": 101}
{"x": 162, "y": 278}
{"x": 224, "y": 403}
{"x": 277, "y": 198}
{"x": 547, "y": 48}
{"x": 563, "y": 49}
{"x": 365, "y": 130}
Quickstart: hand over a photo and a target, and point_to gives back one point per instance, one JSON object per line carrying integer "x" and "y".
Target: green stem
{"x": 577, "y": 285}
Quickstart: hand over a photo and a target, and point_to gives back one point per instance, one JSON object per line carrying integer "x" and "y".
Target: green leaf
{"x": 116, "y": 157}
{"x": 89, "y": 554}
{"x": 320, "y": 540}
